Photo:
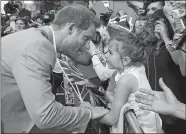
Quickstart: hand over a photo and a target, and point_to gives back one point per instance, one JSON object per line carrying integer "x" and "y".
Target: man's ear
{"x": 71, "y": 27}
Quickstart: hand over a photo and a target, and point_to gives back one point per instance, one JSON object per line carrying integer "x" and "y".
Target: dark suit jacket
{"x": 28, "y": 58}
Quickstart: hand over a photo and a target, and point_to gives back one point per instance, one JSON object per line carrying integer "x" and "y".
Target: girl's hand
{"x": 92, "y": 49}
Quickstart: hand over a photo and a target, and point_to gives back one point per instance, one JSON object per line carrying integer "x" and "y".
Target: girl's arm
{"x": 109, "y": 94}
{"x": 125, "y": 86}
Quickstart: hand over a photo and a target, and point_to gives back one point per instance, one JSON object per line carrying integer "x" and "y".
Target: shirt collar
{"x": 46, "y": 31}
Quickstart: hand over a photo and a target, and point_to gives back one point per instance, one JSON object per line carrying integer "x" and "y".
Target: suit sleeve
{"x": 32, "y": 73}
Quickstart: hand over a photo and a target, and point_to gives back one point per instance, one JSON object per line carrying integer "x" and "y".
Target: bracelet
{"x": 89, "y": 112}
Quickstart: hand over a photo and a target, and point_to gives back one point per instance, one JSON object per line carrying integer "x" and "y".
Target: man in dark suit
{"x": 28, "y": 58}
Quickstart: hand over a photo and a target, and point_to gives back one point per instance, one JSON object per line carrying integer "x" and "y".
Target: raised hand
{"x": 162, "y": 29}
{"x": 158, "y": 102}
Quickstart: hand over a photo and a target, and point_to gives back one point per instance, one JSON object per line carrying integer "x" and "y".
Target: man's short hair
{"x": 93, "y": 11}
{"x": 19, "y": 3}
{"x": 82, "y": 2}
{"x": 147, "y": 3}
{"x": 81, "y": 16}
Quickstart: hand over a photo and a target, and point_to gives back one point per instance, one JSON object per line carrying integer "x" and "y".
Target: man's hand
{"x": 154, "y": 102}
{"x": 162, "y": 29}
{"x": 98, "y": 112}
{"x": 85, "y": 104}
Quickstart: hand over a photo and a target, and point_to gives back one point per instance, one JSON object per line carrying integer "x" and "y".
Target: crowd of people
{"x": 17, "y": 18}
{"x": 142, "y": 63}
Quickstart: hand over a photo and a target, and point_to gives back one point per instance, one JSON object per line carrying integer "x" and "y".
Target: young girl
{"x": 127, "y": 55}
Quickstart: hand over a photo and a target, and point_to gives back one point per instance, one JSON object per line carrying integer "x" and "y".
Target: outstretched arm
{"x": 124, "y": 88}
{"x": 109, "y": 94}
{"x": 164, "y": 103}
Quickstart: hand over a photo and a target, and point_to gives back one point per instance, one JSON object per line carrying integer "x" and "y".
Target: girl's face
{"x": 113, "y": 57}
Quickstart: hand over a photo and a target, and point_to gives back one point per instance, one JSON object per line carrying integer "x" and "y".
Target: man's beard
{"x": 71, "y": 50}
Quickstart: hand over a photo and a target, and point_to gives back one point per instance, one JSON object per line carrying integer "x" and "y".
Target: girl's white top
{"x": 150, "y": 122}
